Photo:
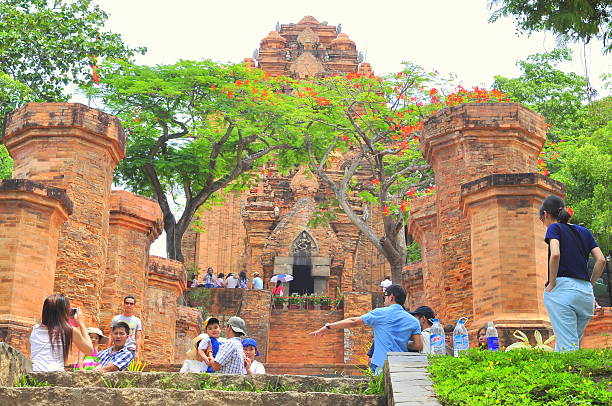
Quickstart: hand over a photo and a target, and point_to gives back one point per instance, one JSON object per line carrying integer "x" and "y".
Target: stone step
{"x": 169, "y": 380}
{"x": 60, "y": 396}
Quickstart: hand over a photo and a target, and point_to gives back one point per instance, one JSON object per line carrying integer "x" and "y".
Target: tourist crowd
{"x": 233, "y": 280}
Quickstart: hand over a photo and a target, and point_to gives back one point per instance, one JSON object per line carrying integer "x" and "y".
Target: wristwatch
{"x": 327, "y": 326}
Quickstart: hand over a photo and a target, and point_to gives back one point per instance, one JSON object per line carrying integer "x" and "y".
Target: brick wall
{"x": 598, "y": 333}
{"x": 413, "y": 283}
{"x": 357, "y": 341}
{"x": 76, "y": 148}
{"x": 166, "y": 282}
{"x": 31, "y": 216}
{"x": 188, "y": 325}
{"x": 289, "y": 341}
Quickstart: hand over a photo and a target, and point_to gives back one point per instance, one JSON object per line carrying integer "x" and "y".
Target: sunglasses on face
{"x": 129, "y": 303}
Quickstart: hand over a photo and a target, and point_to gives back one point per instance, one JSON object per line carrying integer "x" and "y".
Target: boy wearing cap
{"x": 252, "y": 366}
{"x": 230, "y": 358}
{"x": 425, "y": 316}
{"x": 257, "y": 281}
{"x": 210, "y": 343}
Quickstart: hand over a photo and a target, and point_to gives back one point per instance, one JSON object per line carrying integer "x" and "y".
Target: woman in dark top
{"x": 568, "y": 295}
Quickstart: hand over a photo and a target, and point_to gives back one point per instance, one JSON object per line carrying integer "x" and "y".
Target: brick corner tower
{"x": 76, "y": 148}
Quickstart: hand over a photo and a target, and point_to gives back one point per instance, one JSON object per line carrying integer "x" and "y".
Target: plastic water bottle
{"x": 437, "y": 340}
{"x": 492, "y": 339}
{"x": 461, "y": 341}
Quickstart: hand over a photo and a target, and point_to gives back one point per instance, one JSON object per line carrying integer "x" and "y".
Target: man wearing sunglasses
{"x": 393, "y": 327}
{"x": 134, "y": 341}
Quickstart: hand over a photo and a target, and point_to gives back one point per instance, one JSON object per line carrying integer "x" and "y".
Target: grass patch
{"x": 28, "y": 382}
{"x": 524, "y": 377}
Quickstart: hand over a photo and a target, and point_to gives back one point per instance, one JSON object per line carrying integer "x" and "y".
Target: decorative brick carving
{"x": 188, "y": 326}
{"x": 76, "y": 148}
{"x": 31, "y": 215}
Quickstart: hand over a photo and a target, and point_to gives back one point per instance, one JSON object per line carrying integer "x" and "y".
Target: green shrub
{"x": 524, "y": 377}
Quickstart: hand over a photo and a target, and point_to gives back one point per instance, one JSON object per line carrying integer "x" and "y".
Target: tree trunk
{"x": 396, "y": 272}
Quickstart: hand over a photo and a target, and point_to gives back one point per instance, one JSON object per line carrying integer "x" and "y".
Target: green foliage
{"x": 569, "y": 20}
{"x": 585, "y": 167}
{"x": 119, "y": 383}
{"x": 523, "y": 377}
{"x": 27, "y": 382}
{"x": 557, "y": 95}
{"x": 413, "y": 251}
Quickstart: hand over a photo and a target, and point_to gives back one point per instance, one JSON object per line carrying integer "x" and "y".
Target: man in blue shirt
{"x": 393, "y": 327}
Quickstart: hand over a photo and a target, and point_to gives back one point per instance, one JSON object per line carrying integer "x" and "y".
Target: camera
{"x": 73, "y": 311}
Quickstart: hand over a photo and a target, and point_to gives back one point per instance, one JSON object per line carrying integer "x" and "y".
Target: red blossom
{"x": 570, "y": 211}
{"x": 375, "y": 181}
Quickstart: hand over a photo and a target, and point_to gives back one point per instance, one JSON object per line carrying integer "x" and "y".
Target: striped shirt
{"x": 231, "y": 357}
{"x": 121, "y": 359}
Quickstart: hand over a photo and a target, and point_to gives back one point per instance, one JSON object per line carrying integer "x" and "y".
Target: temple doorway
{"x": 302, "y": 283}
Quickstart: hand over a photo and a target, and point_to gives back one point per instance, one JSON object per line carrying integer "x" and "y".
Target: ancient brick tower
{"x": 266, "y": 230}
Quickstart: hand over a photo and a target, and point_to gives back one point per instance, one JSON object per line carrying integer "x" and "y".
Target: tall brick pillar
{"x": 135, "y": 222}
{"x": 357, "y": 341}
{"x": 464, "y": 143}
{"x": 423, "y": 227}
{"x": 76, "y": 148}
{"x": 31, "y": 215}
{"x": 166, "y": 282}
{"x": 509, "y": 255}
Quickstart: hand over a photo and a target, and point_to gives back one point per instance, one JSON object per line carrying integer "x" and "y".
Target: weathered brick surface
{"x": 188, "y": 325}
{"x": 76, "y": 148}
{"x": 135, "y": 222}
{"x": 289, "y": 341}
{"x": 31, "y": 215}
{"x": 413, "y": 283}
{"x": 165, "y": 283}
{"x": 464, "y": 143}
{"x": 509, "y": 254}
{"x": 598, "y": 333}
{"x": 357, "y": 340}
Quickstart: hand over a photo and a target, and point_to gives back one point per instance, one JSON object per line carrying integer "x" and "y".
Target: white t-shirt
{"x": 426, "y": 342}
{"x": 231, "y": 282}
{"x": 135, "y": 325}
{"x": 44, "y": 359}
{"x": 385, "y": 284}
{"x": 257, "y": 367}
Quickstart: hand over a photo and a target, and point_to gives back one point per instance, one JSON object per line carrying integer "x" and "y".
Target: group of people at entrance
{"x": 233, "y": 280}
{"x": 62, "y": 328}
{"x": 232, "y": 354}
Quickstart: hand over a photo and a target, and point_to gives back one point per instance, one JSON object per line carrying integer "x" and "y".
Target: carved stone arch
{"x": 304, "y": 245}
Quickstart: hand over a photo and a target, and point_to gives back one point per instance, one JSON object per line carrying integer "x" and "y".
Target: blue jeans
{"x": 570, "y": 308}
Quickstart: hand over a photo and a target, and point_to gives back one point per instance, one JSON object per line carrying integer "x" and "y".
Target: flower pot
{"x": 325, "y": 307}
{"x": 293, "y": 306}
{"x": 278, "y": 306}
{"x": 309, "y": 306}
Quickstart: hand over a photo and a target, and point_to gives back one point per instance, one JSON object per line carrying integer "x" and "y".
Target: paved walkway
{"x": 407, "y": 381}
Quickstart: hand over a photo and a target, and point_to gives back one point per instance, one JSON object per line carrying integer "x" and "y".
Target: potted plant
{"x": 278, "y": 302}
{"x": 294, "y": 301}
{"x": 309, "y": 302}
{"x": 324, "y": 303}
{"x": 339, "y": 303}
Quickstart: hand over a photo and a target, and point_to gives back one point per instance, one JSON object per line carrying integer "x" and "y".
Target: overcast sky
{"x": 450, "y": 36}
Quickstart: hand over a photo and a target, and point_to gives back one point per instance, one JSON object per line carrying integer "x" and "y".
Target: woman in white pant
{"x": 568, "y": 295}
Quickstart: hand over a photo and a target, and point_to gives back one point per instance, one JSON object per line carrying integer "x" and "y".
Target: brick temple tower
{"x": 260, "y": 230}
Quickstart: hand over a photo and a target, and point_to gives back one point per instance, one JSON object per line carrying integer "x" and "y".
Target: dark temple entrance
{"x": 302, "y": 282}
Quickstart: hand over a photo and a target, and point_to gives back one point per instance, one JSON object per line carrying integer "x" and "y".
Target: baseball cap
{"x": 237, "y": 324}
{"x": 424, "y": 311}
{"x": 250, "y": 341}
{"x": 210, "y": 320}
{"x": 256, "y": 274}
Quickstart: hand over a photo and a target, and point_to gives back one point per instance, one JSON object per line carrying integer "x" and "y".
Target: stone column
{"x": 357, "y": 340}
{"x": 166, "y": 282}
{"x": 76, "y": 148}
{"x": 464, "y": 143}
{"x": 509, "y": 255}
{"x": 31, "y": 215}
{"x": 423, "y": 227}
{"x": 135, "y": 222}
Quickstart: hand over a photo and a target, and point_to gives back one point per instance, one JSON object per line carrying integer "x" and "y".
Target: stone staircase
{"x": 157, "y": 388}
